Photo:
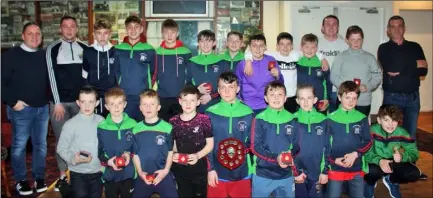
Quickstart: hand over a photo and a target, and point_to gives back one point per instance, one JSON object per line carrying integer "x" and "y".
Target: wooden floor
{"x": 425, "y": 121}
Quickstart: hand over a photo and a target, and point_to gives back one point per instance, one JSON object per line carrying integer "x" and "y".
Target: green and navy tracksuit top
{"x": 152, "y": 144}
{"x": 206, "y": 69}
{"x": 313, "y": 143}
{"x": 232, "y": 62}
{"x": 230, "y": 121}
{"x": 384, "y": 144}
{"x": 309, "y": 71}
{"x": 171, "y": 66}
{"x": 273, "y": 132}
{"x": 135, "y": 67}
{"x": 350, "y": 131}
{"x": 113, "y": 140}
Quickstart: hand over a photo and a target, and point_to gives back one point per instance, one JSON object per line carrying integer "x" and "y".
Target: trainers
{"x": 393, "y": 189}
{"x": 40, "y": 185}
{"x": 60, "y": 183}
{"x": 423, "y": 176}
{"x": 369, "y": 190}
{"x": 23, "y": 188}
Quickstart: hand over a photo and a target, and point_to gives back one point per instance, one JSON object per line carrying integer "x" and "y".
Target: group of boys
{"x": 217, "y": 125}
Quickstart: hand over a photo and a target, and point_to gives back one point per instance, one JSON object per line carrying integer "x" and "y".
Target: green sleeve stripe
{"x": 149, "y": 77}
{"x": 325, "y": 90}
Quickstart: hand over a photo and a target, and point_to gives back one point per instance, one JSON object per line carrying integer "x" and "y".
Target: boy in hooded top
{"x": 171, "y": 62}
{"x": 230, "y": 118}
{"x": 392, "y": 155}
{"x": 274, "y": 131}
{"x": 350, "y": 140}
{"x": 233, "y": 55}
{"x": 314, "y": 144}
{"x": 135, "y": 66}
{"x": 98, "y": 61}
{"x": 204, "y": 69}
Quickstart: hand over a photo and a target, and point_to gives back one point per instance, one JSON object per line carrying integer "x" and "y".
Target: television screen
{"x": 179, "y": 7}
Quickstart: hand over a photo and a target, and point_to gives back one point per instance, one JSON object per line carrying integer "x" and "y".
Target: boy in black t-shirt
{"x": 193, "y": 140}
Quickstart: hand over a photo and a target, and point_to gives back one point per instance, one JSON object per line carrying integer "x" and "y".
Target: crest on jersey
{"x": 111, "y": 60}
{"x": 180, "y": 60}
{"x": 195, "y": 130}
{"x": 143, "y": 57}
{"x": 216, "y": 68}
{"x": 289, "y": 129}
{"x": 80, "y": 56}
{"x": 319, "y": 130}
{"x": 128, "y": 136}
{"x": 319, "y": 73}
{"x": 160, "y": 140}
{"x": 242, "y": 125}
{"x": 357, "y": 129}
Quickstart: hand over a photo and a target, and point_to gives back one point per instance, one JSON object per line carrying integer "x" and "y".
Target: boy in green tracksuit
{"x": 392, "y": 155}
{"x": 233, "y": 55}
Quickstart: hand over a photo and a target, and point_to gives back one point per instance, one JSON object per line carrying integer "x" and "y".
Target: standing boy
{"x": 350, "y": 139}
{"x": 172, "y": 58}
{"x": 115, "y": 140}
{"x": 231, "y": 124}
{"x": 134, "y": 63}
{"x": 192, "y": 136}
{"x": 392, "y": 155}
{"x": 205, "y": 68}
{"x": 266, "y": 70}
{"x": 98, "y": 61}
{"x": 233, "y": 55}
{"x": 78, "y": 146}
{"x": 310, "y": 71}
{"x": 313, "y": 143}
{"x": 274, "y": 132}
{"x": 153, "y": 151}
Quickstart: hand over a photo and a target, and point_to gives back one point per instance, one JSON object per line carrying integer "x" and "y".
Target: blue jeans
{"x": 86, "y": 185}
{"x": 263, "y": 187}
{"x": 333, "y": 102}
{"x": 356, "y": 187}
{"x": 409, "y": 105}
{"x": 29, "y": 122}
{"x": 308, "y": 189}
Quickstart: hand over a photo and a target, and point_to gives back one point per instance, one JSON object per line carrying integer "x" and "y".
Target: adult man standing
{"x": 330, "y": 45}
{"x": 66, "y": 74}
{"x": 24, "y": 79}
{"x": 403, "y": 63}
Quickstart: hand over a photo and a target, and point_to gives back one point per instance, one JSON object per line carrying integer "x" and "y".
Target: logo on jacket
{"x": 357, "y": 129}
{"x": 289, "y": 129}
{"x": 242, "y": 125}
{"x": 319, "y": 72}
{"x": 111, "y": 61}
{"x": 180, "y": 60}
{"x": 128, "y": 136}
{"x": 319, "y": 130}
{"x": 160, "y": 140}
{"x": 216, "y": 68}
{"x": 80, "y": 56}
{"x": 196, "y": 129}
{"x": 143, "y": 57}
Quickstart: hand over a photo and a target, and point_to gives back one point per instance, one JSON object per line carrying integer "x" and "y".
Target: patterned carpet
{"x": 425, "y": 140}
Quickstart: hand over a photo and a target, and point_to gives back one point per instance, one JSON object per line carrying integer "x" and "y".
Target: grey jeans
{"x": 71, "y": 109}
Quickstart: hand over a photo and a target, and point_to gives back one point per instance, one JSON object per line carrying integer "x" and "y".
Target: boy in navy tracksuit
{"x": 350, "y": 139}
{"x": 171, "y": 62}
{"x": 205, "y": 68}
{"x": 274, "y": 131}
{"x": 310, "y": 71}
{"x": 98, "y": 61}
{"x": 153, "y": 151}
{"x": 233, "y": 55}
{"x": 134, "y": 63}
{"x": 230, "y": 118}
{"x": 115, "y": 139}
{"x": 314, "y": 144}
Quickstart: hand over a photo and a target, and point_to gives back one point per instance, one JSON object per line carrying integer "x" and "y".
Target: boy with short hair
{"x": 314, "y": 144}
{"x": 231, "y": 124}
{"x": 135, "y": 66}
{"x": 98, "y": 62}
{"x": 350, "y": 140}
{"x": 274, "y": 132}
{"x": 115, "y": 141}
{"x": 204, "y": 69}
{"x": 233, "y": 55}
{"x": 153, "y": 150}
{"x": 193, "y": 137}
{"x": 310, "y": 71}
{"x": 78, "y": 146}
{"x": 392, "y": 155}
{"x": 266, "y": 70}
{"x": 171, "y": 62}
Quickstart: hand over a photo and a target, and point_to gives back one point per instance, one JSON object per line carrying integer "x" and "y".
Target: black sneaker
{"x": 60, "y": 183}
{"x": 423, "y": 176}
{"x": 23, "y": 188}
{"x": 40, "y": 185}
